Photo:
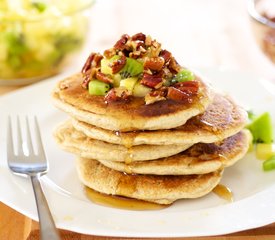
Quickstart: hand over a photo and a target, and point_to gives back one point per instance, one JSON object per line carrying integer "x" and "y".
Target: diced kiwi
{"x": 117, "y": 79}
{"x": 128, "y": 83}
{"x": 269, "y": 164}
{"x": 264, "y": 150}
{"x": 261, "y": 129}
{"x": 132, "y": 68}
{"x": 105, "y": 64}
{"x": 184, "y": 75}
{"x": 140, "y": 90}
{"x": 98, "y": 88}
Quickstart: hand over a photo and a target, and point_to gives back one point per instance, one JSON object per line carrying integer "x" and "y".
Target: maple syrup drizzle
{"x": 121, "y": 202}
{"x": 223, "y": 192}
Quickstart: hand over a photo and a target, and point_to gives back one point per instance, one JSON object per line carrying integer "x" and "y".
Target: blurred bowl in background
{"x": 39, "y": 38}
{"x": 262, "y": 13}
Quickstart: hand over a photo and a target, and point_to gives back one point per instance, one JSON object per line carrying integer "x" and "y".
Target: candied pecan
{"x": 189, "y": 87}
{"x": 116, "y": 94}
{"x": 176, "y": 94}
{"x": 88, "y": 75}
{"x": 166, "y": 55}
{"x": 155, "y": 48}
{"x": 88, "y": 64}
{"x": 139, "y": 36}
{"x": 154, "y": 63}
{"x": 135, "y": 54}
{"x": 156, "y": 95}
{"x": 140, "y": 47}
{"x": 183, "y": 91}
{"x": 118, "y": 64}
{"x": 173, "y": 66}
{"x": 103, "y": 77}
{"x": 109, "y": 53}
{"x": 152, "y": 81}
{"x": 148, "y": 41}
{"x": 121, "y": 43}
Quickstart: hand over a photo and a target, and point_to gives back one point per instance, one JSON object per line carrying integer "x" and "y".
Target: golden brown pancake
{"x": 152, "y": 188}
{"x": 72, "y": 98}
{"x": 222, "y": 118}
{"x": 201, "y": 158}
{"x": 76, "y": 142}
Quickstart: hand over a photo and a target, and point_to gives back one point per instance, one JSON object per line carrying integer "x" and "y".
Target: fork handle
{"x": 46, "y": 223}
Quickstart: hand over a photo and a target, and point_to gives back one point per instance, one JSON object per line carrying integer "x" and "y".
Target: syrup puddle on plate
{"x": 223, "y": 192}
{"x": 121, "y": 202}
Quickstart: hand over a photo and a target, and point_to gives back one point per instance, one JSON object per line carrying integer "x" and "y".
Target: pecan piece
{"x": 156, "y": 95}
{"x": 139, "y": 36}
{"x": 121, "y": 43}
{"x": 178, "y": 95}
{"x": 88, "y": 64}
{"x": 189, "y": 87}
{"x": 166, "y": 55}
{"x": 118, "y": 64}
{"x": 109, "y": 53}
{"x": 152, "y": 81}
{"x": 184, "y": 91}
{"x": 116, "y": 94}
{"x": 103, "y": 77}
{"x": 173, "y": 66}
{"x": 154, "y": 63}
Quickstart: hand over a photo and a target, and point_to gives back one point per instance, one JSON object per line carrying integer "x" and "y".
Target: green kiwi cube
{"x": 132, "y": 68}
{"x": 140, "y": 90}
{"x": 128, "y": 83}
{"x": 185, "y": 75}
{"x": 98, "y": 88}
{"x": 261, "y": 129}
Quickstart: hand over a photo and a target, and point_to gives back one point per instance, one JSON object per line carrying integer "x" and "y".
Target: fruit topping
{"x": 137, "y": 66}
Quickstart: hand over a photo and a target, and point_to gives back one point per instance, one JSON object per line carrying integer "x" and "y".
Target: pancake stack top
{"x": 145, "y": 127}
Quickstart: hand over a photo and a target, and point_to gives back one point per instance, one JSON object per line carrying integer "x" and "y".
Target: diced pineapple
{"x": 105, "y": 68}
{"x": 140, "y": 90}
{"x": 264, "y": 150}
{"x": 128, "y": 83}
{"x": 117, "y": 79}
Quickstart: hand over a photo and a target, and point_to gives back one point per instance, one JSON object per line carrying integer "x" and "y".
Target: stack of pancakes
{"x": 159, "y": 152}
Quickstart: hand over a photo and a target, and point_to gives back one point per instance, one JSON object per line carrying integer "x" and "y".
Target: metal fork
{"x": 34, "y": 165}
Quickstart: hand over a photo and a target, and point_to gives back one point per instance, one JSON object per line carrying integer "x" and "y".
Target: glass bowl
{"x": 262, "y": 13}
{"x": 38, "y": 40}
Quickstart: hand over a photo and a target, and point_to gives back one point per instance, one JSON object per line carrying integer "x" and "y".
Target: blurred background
{"x": 200, "y": 33}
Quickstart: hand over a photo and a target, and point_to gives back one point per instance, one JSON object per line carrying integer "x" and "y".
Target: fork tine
{"x": 10, "y": 149}
{"x": 40, "y": 149}
{"x": 19, "y": 138}
{"x": 28, "y": 136}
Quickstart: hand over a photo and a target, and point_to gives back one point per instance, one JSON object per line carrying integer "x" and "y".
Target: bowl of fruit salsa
{"x": 39, "y": 38}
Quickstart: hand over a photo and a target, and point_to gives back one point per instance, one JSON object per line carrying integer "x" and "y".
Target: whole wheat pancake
{"x": 131, "y": 115}
{"x": 76, "y": 142}
{"x": 201, "y": 158}
{"x": 223, "y": 118}
{"x": 153, "y": 188}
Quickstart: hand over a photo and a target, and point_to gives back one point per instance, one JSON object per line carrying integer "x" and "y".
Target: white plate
{"x": 253, "y": 189}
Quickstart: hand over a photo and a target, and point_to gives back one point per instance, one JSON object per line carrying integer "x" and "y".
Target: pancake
{"x": 201, "y": 158}
{"x": 78, "y": 143}
{"x": 152, "y": 188}
{"x": 223, "y": 118}
{"x": 130, "y": 115}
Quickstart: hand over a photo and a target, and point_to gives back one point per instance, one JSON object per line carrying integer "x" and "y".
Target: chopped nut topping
{"x": 139, "y": 62}
{"x": 103, "y": 77}
{"x": 151, "y": 81}
{"x": 154, "y": 63}
{"x": 121, "y": 43}
{"x": 118, "y": 64}
{"x": 116, "y": 94}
